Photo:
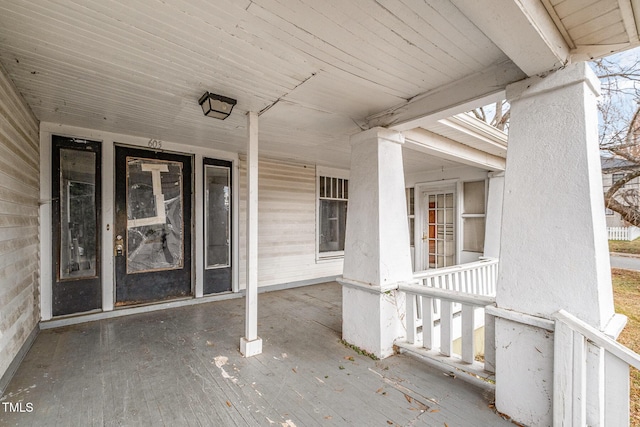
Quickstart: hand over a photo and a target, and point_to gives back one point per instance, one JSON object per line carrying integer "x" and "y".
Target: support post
{"x": 251, "y": 344}
{"x": 494, "y": 215}
{"x": 377, "y": 254}
{"x": 553, "y": 250}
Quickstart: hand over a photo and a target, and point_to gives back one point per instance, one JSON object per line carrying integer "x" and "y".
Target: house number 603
{"x": 154, "y": 143}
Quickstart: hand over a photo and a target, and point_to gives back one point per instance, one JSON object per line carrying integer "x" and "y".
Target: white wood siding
{"x": 19, "y": 243}
{"x": 286, "y": 224}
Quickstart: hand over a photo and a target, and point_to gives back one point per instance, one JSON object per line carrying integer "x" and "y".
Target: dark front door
{"x": 76, "y": 231}
{"x": 217, "y": 229}
{"x": 152, "y": 245}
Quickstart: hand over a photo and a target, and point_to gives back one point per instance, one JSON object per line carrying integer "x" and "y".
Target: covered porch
{"x": 336, "y": 105}
{"x": 182, "y": 367}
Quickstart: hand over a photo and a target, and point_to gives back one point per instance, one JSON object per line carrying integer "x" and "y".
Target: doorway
{"x": 438, "y": 229}
{"x": 153, "y": 212}
{"x": 218, "y": 216}
{"x": 76, "y": 199}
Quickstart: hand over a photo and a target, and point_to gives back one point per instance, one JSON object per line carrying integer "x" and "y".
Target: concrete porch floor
{"x": 182, "y": 367}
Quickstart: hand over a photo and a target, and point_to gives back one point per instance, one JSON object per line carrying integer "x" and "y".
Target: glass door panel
{"x": 439, "y": 230}
{"x": 217, "y": 230}
{"x": 75, "y": 215}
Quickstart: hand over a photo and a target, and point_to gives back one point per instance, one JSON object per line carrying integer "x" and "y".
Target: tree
{"x": 619, "y": 128}
{"x": 619, "y": 131}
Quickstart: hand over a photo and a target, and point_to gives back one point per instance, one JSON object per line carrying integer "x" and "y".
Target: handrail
{"x": 422, "y": 274}
{"x": 447, "y": 295}
{"x": 600, "y": 339}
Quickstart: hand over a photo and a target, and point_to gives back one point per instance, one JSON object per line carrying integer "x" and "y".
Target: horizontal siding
{"x": 286, "y": 224}
{"x": 19, "y": 223}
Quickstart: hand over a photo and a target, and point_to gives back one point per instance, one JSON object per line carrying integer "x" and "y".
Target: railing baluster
{"x": 595, "y": 385}
{"x": 616, "y": 385}
{"x": 489, "y": 343}
{"x": 562, "y": 374}
{"x": 468, "y": 347}
{"x": 427, "y": 322}
{"x": 579, "y": 404}
{"x": 446, "y": 327}
{"x": 411, "y": 318}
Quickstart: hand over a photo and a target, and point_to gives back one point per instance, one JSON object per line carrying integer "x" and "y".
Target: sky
{"x": 626, "y": 102}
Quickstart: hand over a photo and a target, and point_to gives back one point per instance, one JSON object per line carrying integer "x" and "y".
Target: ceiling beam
{"x": 522, "y": 29}
{"x": 463, "y": 95}
{"x": 630, "y": 24}
{"x": 430, "y": 143}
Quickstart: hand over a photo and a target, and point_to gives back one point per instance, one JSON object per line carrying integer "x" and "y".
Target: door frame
{"x": 229, "y": 165}
{"x": 91, "y": 286}
{"x": 449, "y": 185}
{"x": 108, "y": 141}
{"x": 188, "y": 182}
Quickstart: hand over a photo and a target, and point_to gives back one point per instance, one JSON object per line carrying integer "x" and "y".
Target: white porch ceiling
{"x": 319, "y": 71}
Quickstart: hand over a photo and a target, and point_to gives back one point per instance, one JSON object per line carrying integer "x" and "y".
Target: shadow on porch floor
{"x": 182, "y": 367}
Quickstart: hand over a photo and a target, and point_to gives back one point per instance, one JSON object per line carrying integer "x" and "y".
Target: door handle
{"x": 118, "y": 246}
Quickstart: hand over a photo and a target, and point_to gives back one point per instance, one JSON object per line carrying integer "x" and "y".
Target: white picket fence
{"x": 623, "y": 233}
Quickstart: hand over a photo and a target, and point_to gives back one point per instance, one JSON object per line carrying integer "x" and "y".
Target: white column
{"x": 493, "y": 223}
{"x": 377, "y": 254}
{"x": 553, "y": 250}
{"x": 251, "y": 344}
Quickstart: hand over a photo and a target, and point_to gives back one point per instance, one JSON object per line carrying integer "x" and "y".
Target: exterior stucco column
{"x": 553, "y": 251}
{"x": 377, "y": 254}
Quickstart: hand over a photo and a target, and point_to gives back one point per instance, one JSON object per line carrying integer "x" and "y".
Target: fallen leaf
{"x": 294, "y": 370}
{"x": 406, "y": 396}
{"x": 421, "y": 406}
{"x": 379, "y": 390}
{"x": 434, "y": 410}
{"x": 349, "y": 358}
{"x": 228, "y": 404}
{"x": 328, "y": 417}
{"x": 390, "y": 422}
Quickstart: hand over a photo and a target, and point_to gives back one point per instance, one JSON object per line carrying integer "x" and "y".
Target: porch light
{"x": 216, "y": 106}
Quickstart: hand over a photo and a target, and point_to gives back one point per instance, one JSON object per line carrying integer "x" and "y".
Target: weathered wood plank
{"x": 19, "y": 210}
{"x": 182, "y": 367}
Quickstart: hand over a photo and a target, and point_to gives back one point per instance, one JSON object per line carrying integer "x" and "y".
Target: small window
{"x": 473, "y": 216}
{"x": 411, "y": 213}
{"x": 332, "y": 215}
{"x": 617, "y": 177}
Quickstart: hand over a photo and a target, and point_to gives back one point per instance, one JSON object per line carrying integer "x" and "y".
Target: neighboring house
{"x": 348, "y": 147}
{"x": 614, "y": 169}
{"x": 625, "y": 159}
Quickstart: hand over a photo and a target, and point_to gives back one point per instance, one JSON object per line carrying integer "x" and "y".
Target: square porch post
{"x": 251, "y": 343}
{"x": 553, "y": 249}
{"x": 377, "y": 254}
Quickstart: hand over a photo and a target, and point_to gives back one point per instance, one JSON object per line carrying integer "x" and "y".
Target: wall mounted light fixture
{"x": 216, "y": 106}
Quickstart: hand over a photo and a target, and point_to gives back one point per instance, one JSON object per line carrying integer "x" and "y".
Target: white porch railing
{"x": 447, "y": 304}
{"x": 477, "y": 278}
{"x": 590, "y": 371}
{"x": 623, "y": 233}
